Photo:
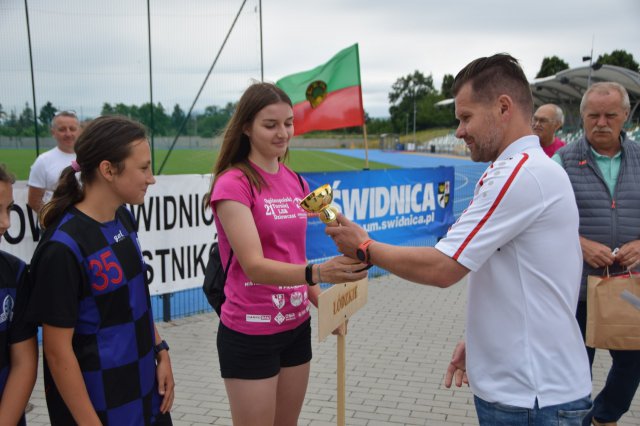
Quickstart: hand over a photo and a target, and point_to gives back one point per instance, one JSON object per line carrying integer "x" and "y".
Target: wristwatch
{"x": 308, "y": 274}
{"x": 162, "y": 346}
{"x": 363, "y": 251}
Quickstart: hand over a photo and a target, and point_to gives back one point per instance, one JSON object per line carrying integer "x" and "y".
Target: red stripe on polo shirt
{"x": 486, "y": 217}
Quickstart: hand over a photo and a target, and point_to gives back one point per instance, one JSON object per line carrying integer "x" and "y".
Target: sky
{"x": 440, "y": 37}
{"x": 88, "y": 53}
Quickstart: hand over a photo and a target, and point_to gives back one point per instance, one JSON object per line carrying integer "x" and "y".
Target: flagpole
{"x": 366, "y": 147}
{"x": 364, "y": 123}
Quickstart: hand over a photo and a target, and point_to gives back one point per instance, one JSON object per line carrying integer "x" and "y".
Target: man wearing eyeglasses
{"x": 547, "y": 120}
{"x": 46, "y": 170}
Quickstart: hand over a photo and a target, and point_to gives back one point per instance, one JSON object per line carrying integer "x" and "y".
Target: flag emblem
{"x": 316, "y": 93}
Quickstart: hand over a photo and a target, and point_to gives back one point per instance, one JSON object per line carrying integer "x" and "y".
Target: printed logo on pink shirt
{"x": 258, "y": 318}
{"x": 290, "y": 317}
{"x": 296, "y": 298}
{"x": 301, "y": 212}
{"x": 279, "y": 208}
{"x": 279, "y": 318}
{"x": 278, "y": 300}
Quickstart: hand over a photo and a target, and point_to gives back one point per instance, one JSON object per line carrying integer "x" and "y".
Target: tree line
{"x": 209, "y": 122}
{"x": 412, "y": 100}
{"x": 552, "y": 65}
{"x": 413, "y": 97}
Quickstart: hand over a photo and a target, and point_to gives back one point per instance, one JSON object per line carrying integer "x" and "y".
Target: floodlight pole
{"x": 33, "y": 84}
{"x": 261, "y": 49}
{"x": 590, "y": 69}
{"x": 152, "y": 129}
{"x": 590, "y": 58}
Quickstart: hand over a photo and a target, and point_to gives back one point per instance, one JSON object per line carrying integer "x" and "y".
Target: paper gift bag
{"x": 612, "y": 322}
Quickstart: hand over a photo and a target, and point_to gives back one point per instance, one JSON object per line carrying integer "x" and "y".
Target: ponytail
{"x": 67, "y": 193}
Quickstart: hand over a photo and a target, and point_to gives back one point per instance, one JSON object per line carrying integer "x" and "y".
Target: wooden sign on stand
{"x": 335, "y": 306}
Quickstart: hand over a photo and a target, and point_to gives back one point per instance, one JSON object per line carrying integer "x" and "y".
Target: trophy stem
{"x": 328, "y": 214}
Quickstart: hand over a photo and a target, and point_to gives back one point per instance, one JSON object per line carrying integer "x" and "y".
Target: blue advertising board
{"x": 396, "y": 206}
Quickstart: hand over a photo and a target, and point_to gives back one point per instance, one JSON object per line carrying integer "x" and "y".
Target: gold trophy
{"x": 319, "y": 201}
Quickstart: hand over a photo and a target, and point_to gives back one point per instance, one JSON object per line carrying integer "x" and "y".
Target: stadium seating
{"x": 448, "y": 144}
{"x": 451, "y": 145}
{"x": 634, "y": 133}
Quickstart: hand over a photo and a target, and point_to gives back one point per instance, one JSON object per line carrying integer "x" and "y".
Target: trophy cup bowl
{"x": 319, "y": 201}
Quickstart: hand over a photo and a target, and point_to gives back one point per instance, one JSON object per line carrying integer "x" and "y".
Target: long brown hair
{"x": 106, "y": 138}
{"x": 6, "y": 175}
{"x": 234, "y": 152}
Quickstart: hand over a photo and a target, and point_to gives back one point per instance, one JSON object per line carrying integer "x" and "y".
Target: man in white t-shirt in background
{"x": 45, "y": 171}
{"x": 523, "y": 355}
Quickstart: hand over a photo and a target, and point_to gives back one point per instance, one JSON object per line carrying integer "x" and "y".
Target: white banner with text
{"x": 174, "y": 228}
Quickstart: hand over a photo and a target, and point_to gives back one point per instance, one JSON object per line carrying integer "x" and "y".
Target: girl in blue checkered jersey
{"x": 18, "y": 346}
{"x": 104, "y": 361}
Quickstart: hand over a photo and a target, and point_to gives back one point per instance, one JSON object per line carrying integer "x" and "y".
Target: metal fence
{"x": 89, "y": 56}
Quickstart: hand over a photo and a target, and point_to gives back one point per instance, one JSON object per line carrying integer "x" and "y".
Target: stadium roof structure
{"x": 568, "y": 86}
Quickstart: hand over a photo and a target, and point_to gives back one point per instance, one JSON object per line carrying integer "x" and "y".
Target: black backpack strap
{"x": 301, "y": 182}
{"x": 229, "y": 261}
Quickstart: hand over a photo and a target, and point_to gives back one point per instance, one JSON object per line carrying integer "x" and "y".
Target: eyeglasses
{"x": 540, "y": 120}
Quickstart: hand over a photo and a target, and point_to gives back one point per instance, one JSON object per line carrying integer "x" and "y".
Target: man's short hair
{"x": 5, "y": 175}
{"x": 604, "y": 88}
{"x": 496, "y": 75}
{"x": 68, "y": 113}
{"x": 559, "y": 114}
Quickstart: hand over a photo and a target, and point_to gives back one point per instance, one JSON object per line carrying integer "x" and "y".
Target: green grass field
{"x": 186, "y": 161}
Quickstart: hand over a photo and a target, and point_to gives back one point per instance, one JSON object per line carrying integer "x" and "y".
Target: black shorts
{"x": 243, "y": 356}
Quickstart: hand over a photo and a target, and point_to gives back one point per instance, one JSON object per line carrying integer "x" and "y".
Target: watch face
{"x": 360, "y": 254}
{"x": 161, "y": 346}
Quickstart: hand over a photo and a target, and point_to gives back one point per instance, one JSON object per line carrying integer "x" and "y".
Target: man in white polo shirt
{"x": 45, "y": 171}
{"x": 523, "y": 355}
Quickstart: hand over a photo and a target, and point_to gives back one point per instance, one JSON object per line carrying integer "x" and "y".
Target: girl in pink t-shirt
{"x": 264, "y": 335}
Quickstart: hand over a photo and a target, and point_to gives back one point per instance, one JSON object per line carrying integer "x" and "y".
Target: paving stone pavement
{"x": 398, "y": 347}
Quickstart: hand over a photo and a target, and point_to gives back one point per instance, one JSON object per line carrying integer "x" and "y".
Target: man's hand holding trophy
{"x": 319, "y": 202}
